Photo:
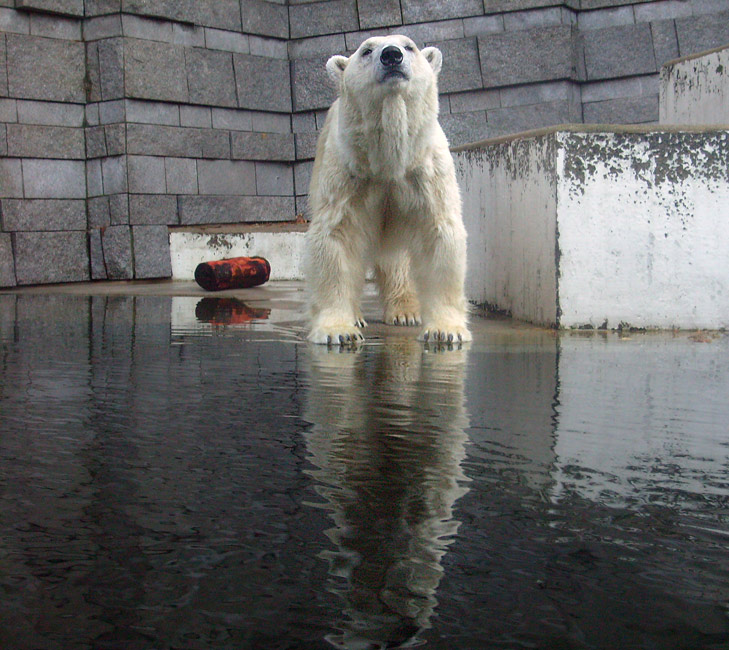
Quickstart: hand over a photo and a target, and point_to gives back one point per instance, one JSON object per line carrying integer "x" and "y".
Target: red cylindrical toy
{"x": 233, "y": 273}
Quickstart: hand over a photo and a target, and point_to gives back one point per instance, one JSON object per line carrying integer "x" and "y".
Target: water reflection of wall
{"x": 387, "y": 444}
{"x": 642, "y": 419}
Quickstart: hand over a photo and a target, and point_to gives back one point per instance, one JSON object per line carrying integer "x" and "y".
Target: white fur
{"x": 384, "y": 192}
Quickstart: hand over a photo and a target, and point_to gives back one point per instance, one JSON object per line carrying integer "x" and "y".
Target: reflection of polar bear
{"x": 384, "y": 187}
{"x": 386, "y": 445}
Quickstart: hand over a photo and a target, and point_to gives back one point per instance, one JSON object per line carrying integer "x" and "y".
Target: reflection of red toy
{"x": 233, "y": 273}
{"x": 228, "y": 311}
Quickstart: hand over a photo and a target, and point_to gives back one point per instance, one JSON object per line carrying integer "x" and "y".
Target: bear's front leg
{"x": 392, "y": 273}
{"x": 336, "y": 278}
{"x": 440, "y": 275}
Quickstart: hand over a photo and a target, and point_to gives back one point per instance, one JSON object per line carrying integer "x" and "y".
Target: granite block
{"x": 54, "y": 179}
{"x": 618, "y": 52}
{"x": 146, "y": 112}
{"x": 116, "y": 139}
{"x": 62, "y": 7}
{"x": 102, "y": 7}
{"x": 119, "y": 208}
{"x": 421, "y": 11}
{"x": 114, "y": 172}
{"x": 461, "y": 66}
{"x": 527, "y": 56}
{"x": 110, "y": 54}
{"x": 146, "y": 175}
{"x": 182, "y": 10}
{"x": 622, "y": 110}
{"x": 181, "y": 176}
{"x": 274, "y": 179}
{"x": 3, "y": 67}
{"x": 112, "y": 112}
{"x": 226, "y": 177}
{"x": 94, "y": 178}
{"x": 210, "y": 78}
{"x": 154, "y": 140}
{"x": 96, "y": 255}
{"x": 153, "y": 209}
{"x": 262, "y": 146}
{"x": 306, "y": 145}
{"x": 265, "y": 122}
{"x": 35, "y": 141}
{"x": 50, "y": 113}
{"x": 379, "y": 13}
{"x": 56, "y": 27}
{"x": 14, "y": 22}
{"x": 463, "y": 128}
{"x": 155, "y": 71}
{"x": 312, "y": 87}
{"x": 664, "y": 10}
{"x": 146, "y": 28}
{"x": 546, "y": 17}
{"x": 427, "y": 33}
{"x": 700, "y": 33}
{"x": 196, "y": 210}
{"x": 50, "y": 257}
{"x": 302, "y": 176}
{"x": 265, "y": 18}
{"x": 329, "y": 17}
{"x": 483, "y": 25}
{"x": 612, "y": 17}
{"x": 7, "y": 263}
{"x": 478, "y": 100}
{"x": 151, "y": 252}
{"x": 665, "y": 41}
{"x": 116, "y": 243}
{"x": 514, "y": 119}
{"x": 11, "y": 178}
{"x": 197, "y": 116}
{"x": 42, "y": 215}
{"x": 98, "y": 212}
{"x": 45, "y": 68}
{"x": 263, "y": 84}
{"x": 224, "y": 14}
{"x": 225, "y": 118}
{"x": 218, "y": 39}
{"x": 100, "y": 27}
{"x": 214, "y": 143}
{"x": 270, "y": 48}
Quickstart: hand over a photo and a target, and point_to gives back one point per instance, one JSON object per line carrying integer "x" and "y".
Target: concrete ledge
{"x": 695, "y": 89}
{"x": 601, "y": 226}
{"x": 281, "y": 244}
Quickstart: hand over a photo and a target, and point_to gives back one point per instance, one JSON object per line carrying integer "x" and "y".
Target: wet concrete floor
{"x": 179, "y": 469}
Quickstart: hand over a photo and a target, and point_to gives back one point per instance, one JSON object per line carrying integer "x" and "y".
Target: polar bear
{"x": 384, "y": 192}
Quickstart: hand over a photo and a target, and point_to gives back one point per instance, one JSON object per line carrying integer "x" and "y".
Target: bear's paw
{"x": 435, "y": 332}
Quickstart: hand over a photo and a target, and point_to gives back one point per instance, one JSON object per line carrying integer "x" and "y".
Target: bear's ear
{"x": 336, "y": 66}
{"x": 434, "y": 57}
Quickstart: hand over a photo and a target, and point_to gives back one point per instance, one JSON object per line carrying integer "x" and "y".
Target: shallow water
{"x": 183, "y": 475}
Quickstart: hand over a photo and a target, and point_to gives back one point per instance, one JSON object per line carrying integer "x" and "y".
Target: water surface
{"x": 180, "y": 474}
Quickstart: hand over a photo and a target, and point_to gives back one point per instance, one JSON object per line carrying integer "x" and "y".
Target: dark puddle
{"x": 233, "y": 488}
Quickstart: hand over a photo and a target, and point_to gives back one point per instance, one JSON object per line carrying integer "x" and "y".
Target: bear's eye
{"x": 367, "y": 51}
{"x": 409, "y": 48}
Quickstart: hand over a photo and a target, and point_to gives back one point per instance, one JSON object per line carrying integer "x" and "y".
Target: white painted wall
{"x": 284, "y": 251}
{"x": 509, "y": 210}
{"x": 644, "y": 233}
{"x": 580, "y": 227}
{"x": 695, "y": 90}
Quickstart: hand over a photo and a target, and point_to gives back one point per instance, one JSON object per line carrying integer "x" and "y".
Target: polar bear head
{"x": 386, "y": 64}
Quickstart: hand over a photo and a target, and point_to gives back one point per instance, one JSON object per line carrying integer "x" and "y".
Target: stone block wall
{"x": 122, "y": 118}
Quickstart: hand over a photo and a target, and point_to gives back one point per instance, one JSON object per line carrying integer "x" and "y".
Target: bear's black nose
{"x": 391, "y": 56}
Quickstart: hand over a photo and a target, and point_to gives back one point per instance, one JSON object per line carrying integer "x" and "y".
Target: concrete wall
{"x": 695, "y": 90}
{"x": 601, "y": 228}
{"x": 121, "y": 118}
